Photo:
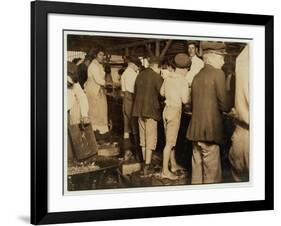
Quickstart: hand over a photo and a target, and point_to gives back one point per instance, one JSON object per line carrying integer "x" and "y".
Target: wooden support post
{"x": 168, "y": 43}
{"x": 148, "y": 47}
{"x": 133, "y": 51}
{"x": 157, "y": 48}
{"x": 200, "y": 51}
{"x": 127, "y": 51}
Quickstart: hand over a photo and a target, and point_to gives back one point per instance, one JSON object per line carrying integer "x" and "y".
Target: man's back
{"x": 175, "y": 90}
{"x": 128, "y": 79}
{"x": 209, "y": 100}
{"x": 147, "y": 89}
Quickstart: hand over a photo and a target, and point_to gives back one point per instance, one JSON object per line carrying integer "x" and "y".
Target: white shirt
{"x": 96, "y": 77}
{"x": 242, "y": 85}
{"x": 175, "y": 90}
{"x": 196, "y": 65}
{"x": 76, "y": 98}
{"x": 165, "y": 73}
{"x": 128, "y": 80}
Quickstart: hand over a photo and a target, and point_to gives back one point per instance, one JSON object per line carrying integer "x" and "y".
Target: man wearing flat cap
{"x": 128, "y": 79}
{"x": 147, "y": 107}
{"x": 176, "y": 92}
{"x": 209, "y": 100}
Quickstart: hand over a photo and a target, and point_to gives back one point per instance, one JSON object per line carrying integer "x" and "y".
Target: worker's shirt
{"x": 196, "y": 65}
{"x": 128, "y": 80}
{"x": 77, "y": 103}
{"x": 242, "y": 86}
{"x": 165, "y": 73}
{"x": 96, "y": 77}
{"x": 175, "y": 90}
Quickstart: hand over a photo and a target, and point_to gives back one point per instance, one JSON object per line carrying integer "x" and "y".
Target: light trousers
{"x": 148, "y": 133}
{"x": 130, "y": 122}
{"x": 206, "y": 163}
{"x": 239, "y": 154}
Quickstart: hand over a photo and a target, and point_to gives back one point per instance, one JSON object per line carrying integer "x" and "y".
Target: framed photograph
{"x": 144, "y": 112}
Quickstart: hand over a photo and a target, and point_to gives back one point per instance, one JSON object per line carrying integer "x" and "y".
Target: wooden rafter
{"x": 168, "y": 43}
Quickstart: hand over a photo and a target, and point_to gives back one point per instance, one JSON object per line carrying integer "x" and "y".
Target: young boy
{"x": 175, "y": 90}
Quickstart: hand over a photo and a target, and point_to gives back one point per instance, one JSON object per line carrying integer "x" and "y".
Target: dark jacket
{"x": 82, "y": 74}
{"x": 209, "y": 99}
{"x": 147, "y": 90}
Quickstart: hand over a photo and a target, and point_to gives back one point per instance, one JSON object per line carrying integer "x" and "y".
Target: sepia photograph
{"x": 145, "y": 111}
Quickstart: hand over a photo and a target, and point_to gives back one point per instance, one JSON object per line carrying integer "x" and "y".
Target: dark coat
{"x": 147, "y": 91}
{"x": 209, "y": 99}
{"x": 82, "y": 74}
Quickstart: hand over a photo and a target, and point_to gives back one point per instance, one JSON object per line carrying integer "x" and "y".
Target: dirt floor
{"x": 107, "y": 172}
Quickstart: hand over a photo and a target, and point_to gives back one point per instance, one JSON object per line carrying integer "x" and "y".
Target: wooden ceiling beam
{"x": 133, "y": 44}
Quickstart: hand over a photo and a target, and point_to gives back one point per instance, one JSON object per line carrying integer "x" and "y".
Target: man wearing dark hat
{"x": 147, "y": 107}
{"x": 209, "y": 100}
{"x": 175, "y": 90}
{"x": 128, "y": 79}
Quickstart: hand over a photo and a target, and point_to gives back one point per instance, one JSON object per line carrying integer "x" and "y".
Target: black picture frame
{"x": 39, "y": 112}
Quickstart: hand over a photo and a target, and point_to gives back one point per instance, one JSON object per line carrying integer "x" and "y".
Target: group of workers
{"x": 185, "y": 80}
